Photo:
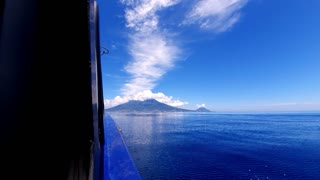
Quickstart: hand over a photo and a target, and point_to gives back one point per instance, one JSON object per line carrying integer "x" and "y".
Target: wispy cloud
{"x": 152, "y": 57}
{"x": 141, "y": 15}
{"x": 153, "y": 54}
{"x": 201, "y": 105}
{"x": 218, "y": 15}
{"x": 151, "y": 50}
{"x": 143, "y": 95}
{"x": 113, "y": 46}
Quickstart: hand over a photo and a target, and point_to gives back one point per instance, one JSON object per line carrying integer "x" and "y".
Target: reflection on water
{"x": 213, "y": 146}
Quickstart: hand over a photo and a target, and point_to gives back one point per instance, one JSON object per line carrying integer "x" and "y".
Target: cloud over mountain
{"x": 144, "y": 95}
{"x": 201, "y": 105}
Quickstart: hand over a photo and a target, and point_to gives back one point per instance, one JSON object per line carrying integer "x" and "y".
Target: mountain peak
{"x": 148, "y": 105}
{"x": 151, "y": 100}
{"x": 203, "y": 109}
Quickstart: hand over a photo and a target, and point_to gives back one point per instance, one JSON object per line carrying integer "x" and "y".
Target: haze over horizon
{"x": 225, "y": 55}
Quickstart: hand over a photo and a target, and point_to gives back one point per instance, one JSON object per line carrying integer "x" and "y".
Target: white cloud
{"x": 143, "y": 95}
{"x": 141, "y": 15}
{"x": 113, "y": 46}
{"x": 218, "y": 15}
{"x": 152, "y": 52}
{"x": 201, "y": 105}
{"x": 152, "y": 57}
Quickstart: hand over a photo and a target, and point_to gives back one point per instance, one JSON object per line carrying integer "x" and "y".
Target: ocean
{"x": 223, "y": 146}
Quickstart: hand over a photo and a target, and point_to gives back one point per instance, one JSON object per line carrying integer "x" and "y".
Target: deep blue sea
{"x": 223, "y": 146}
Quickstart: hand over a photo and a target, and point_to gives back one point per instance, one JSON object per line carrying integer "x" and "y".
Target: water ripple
{"x": 215, "y": 146}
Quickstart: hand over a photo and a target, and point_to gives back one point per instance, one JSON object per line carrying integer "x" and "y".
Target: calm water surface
{"x": 217, "y": 146}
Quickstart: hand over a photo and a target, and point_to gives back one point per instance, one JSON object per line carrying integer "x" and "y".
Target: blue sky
{"x": 226, "y": 55}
